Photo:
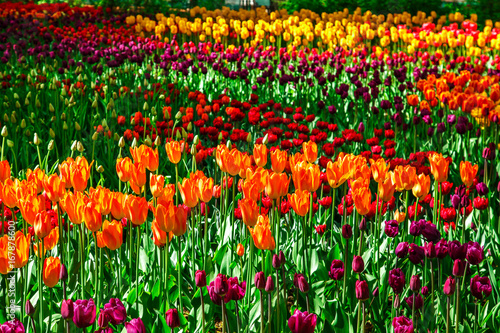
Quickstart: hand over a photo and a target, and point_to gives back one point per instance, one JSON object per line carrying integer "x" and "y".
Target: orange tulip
{"x": 92, "y": 217}
{"x": 249, "y": 211}
{"x": 8, "y": 193}
{"x": 5, "y": 264}
{"x": 112, "y": 234}
{"x": 359, "y": 183}
{"x": 54, "y": 187}
{"x": 421, "y": 186}
{"x": 136, "y": 209}
{"x": 439, "y": 167}
{"x": 296, "y": 159}
{"x": 306, "y": 176}
{"x": 138, "y": 177}
{"x": 51, "y": 271}
{"x": 300, "y": 202}
{"x": 174, "y": 151}
{"x": 167, "y": 195}
{"x": 260, "y": 176}
{"x": 261, "y": 234}
{"x": 100, "y": 240}
{"x": 4, "y": 170}
{"x": 73, "y": 205}
{"x": 156, "y": 184}
{"x": 412, "y": 100}
{"x": 30, "y": 206}
{"x": 220, "y": 153}
{"x": 277, "y": 185}
{"x": 260, "y": 155}
{"x": 362, "y": 198}
{"x": 165, "y": 216}
{"x": 180, "y": 225}
{"x": 251, "y": 189}
{"x": 245, "y": 163}
{"x": 124, "y": 169}
{"x": 310, "y": 151}
{"x": 232, "y": 161}
{"x": 379, "y": 169}
{"x": 51, "y": 240}
{"x": 65, "y": 171}
{"x": 204, "y": 189}
{"x": 387, "y": 187}
{"x": 147, "y": 156}
{"x": 43, "y": 224}
{"x": 35, "y": 178}
{"x": 278, "y": 160}
{"x": 22, "y": 251}
{"x": 160, "y": 236}
{"x": 404, "y": 177}
{"x": 468, "y": 172}
{"x": 361, "y": 171}
{"x": 188, "y": 192}
{"x": 399, "y": 216}
{"x": 240, "y": 250}
{"x": 335, "y": 175}
{"x": 102, "y": 198}
{"x": 117, "y": 204}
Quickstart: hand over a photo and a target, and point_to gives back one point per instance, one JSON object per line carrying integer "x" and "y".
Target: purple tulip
{"x": 458, "y": 267}
{"x": 104, "y": 319}
{"x": 216, "y": 299}
{"x": 415, "y": 283}
{"x": 220, "y": 285}
{"x": 449, "y": 286}
{"x": 402, "y": 250}
{"x": 269, "y": 284}
{"x": 475, "y": 253}
{"x": 362, "y": 292}
{"x": 336, "y": 270}
{"x": 200, "y": 279}
{"x": 260, "y": 280}
{"x": 416, "y": 227}
{"x": 12, "y": 326}
{"x": 116, "y": 311}
{"x": 67, "y": 309}
{"x": 302, "y": 322}
{"x": 402, "y": 325}
{"x": 430, "y": 232}
{"x": 424, "y": 291}
{"x": 236, "y": 291}
{"x": 276, "y": 262}
{"x": 457, "y": 250}
{"x": 442, "y": 249}
{"x": 480, "y": 287}
{"x": 63, "y": 273}
{"x": 135, "y": 326}
{"x": 172, "y": 318}
{"x": 29, "y": 309}
{"x": 418, "y": 301}
{"x": 430, "y": 250}
{"x": 482, "y": 189}
{"x": 391, "y": 228}
{"x": 84, "y": 313}
{"x": 300, "y": 282}
{"x": 397, "y": 280}
{"x": 417, "y": 254}
{"x": 346, "y": 231}
{"x": 358, "y": 265}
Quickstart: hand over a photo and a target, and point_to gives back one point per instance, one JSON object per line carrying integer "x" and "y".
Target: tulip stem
{"x": 432, "y": 288}
{"x": 268, "y": 313}
{"x": 413, "y": 313}
{"x": 359, "y": 317}
{"x": 333, "y": 217}
{"x": 278, "y": 298}
{"x": 363, "y": 316}
{"x": 82, "y": 265}
{"x": 457, "y": 303}
{"x": 261, "y": 312}
{"x": 203, "y": 311}
{"x": 166, "y": 260}
{"x": 179, "y": 282}
{"x": 346, "y": 259}
{"x": 205, "y": 238}
{"x": 448, "y": 314}
{"x": 137, "y": 268}
{"x": 40, "y": 285}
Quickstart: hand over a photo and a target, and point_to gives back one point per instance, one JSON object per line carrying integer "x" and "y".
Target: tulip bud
{"x": 358, "y": 265}
{"x": 362, "y": 224}
{"x": 77, "y": 126}
{"x": 282, "y": 258}
{"x": 200, "y": 279}
{"x": 397, "y": 302}
{"x": 276, "y": 262}
{"x": 269, "y": 284}
{"x": 121, "y": 142}
{"x": 63, "y": 274}
{"x": 458, "y": 267}
{"x": 100, "y": 169}
{"x": 29, "y": 309}
{"x": 79, "y": 147}
{"x": 67, "y": 309}
{"x": 10, "y": 143}
{"x": 172, "y": 318}
{"x": 260, "y": 280}
{"x": 449, "y": 286}
{"x": 303, "y": 284}
{"x": 36, "y": 140}
{"x": 73, "y": 146}
{"x": 157, "y": 141}
{"x": 361, "y": 289}
{"x": 220, "y": 285}
{"x": 265, "y": 140}
{"x": 134, "y": 143}
{"x": 51, "y": 108}
{"x": 346, "y": 231}
{"x": 415, "y": 283}
{"x": 240, "y": 250}
{"x": 375, "y": 292}
{"x": 178, "y": 115}
{"x": 249, "y": 138}
{"x": 95, "y": 136}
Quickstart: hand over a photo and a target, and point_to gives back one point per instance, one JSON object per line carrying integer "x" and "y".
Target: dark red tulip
{"x": 397, "y": 280}
{"x": 415, "y": 283}
{"x": 346, "y": 231}
{"x": 449, "y": 286}
{"x": 417, "y": 300}
{"x": 172, "y": 318}
{"x": 336, "y": 270}
{"x": 220, "y": 285}
{"x": 358, "y": 265}
{"x": 269, "y": 284}
{"x": 457, "y": 250}
{"x": 67, "y": 309}
{"x": 260, "y": 281}
{"x": 200, "y": 279}
{"x": 480, "y": 287}
{"x": 402, "y": 250}
{"x": 362, "y": 292}
{"x": 475, "y": 253}
{"x": 458, "y": 267}
{"x": 302, "y": 322}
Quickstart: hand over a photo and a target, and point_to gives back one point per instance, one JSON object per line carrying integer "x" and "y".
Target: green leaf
{"x": 132, "y": 296}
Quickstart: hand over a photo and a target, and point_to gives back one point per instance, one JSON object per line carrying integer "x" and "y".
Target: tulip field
{"x": 248, "y": 171}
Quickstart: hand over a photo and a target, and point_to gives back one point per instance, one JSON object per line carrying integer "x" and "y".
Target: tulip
{"x": 260, "y": 280}
{"x": 439, "y": 167}
{"x": 404, "y": 177}
{"x": 12, "y": 326}
{"x": 236, "y": 291}
{"x": 391, "y": 228}
{"x": 449, "y": 286}
{"x": 174, "y": 151}
{"x": 302, "y": 322}
{"x": 379, "y": 170}
{"x": 346, "y": 231}
{"x": 362, "y": 200}
{"x": 188, "y": 192}
{"x": 458, "y": 268}
{"x": 415, "y": 301}
{"x": 43, "y": 224}
{"x": 79, "y": 173}
{"x": 480, "y": 287}
{"x": 362, "y": 292}
{"x": 457, "y": 251}
{"x": 261, "y": 234}
{"x": 138, "y": 179}
{"x": 415, "y": 283}
{"x": 103, "y": 319}
{"x": 277, "y": 185}
{"x": 156, "y": 184}
{"x": 67, "y": 309}
{"x": 84, "y": 313}
{"x": 468, "y": 172}
{"x": 402, "y": 250}
{"x": 337, "y": 173}
{"x": 204, "y": 189}
{"x": 430, "y": 232}
{"x": 4, "y": 170}
{"x": 278, "y": 160}
{"x": 397, "y": 280}
{"x": 251, "y": 189}
{"x": 136, "y": 209}
{"x": 116, "y": 311}
{"x": 29, "y": 309}
{"x": 240, "y": 250}
{"x": 402, "y": 325}
{"x": 92, "y": 217}
{"x": 310, "y": 151}
{"x": 200, "y": 279}
{"x": 22, "y": 249}
{"x": 422, "y": 185}
{"x": 135, "y": 326}
{"x": 172, "y": 318}
{"x": 306, "y": 176}
{"x": 269, "y": 285}
{"x": 387, "y": 187}
{"x": 300, "y": 202}
{"x": 54, "y": 187}
{"x": 260, "y": 155}
{"x": 358, "y": 265}
{"x": 180, "y": 225}
{"x": 5, "y": 265}
{"x": 221, "y": 285}
{"x": 112, "y": 234}
{"x": 124, "y": 169}
{"x": 475, "y": 253}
